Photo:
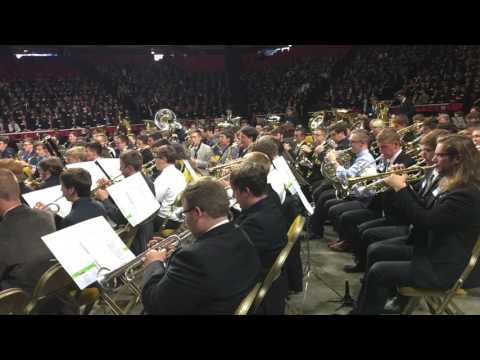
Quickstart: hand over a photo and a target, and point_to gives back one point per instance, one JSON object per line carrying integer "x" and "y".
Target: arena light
{"x": 19, "y": 56}
{"x": 157, "y": 57}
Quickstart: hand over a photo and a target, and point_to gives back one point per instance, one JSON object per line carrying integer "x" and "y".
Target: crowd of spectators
{"x": 56, "y": 103}
{"x": 164, "y": 85}
{"x": 427, "y": 74}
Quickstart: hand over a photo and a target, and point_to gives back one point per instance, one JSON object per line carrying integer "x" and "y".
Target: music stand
{"x": 345, "y": 300}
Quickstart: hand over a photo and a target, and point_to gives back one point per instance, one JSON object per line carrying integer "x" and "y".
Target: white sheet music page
{"x": 134, "y": 198}
{"x": 111, "y": 167}
{"x": 291, "y": 182}
{"x": 84, "y": 248}
{"x": 92, "y": 168}
{"x": 48, "y": 196}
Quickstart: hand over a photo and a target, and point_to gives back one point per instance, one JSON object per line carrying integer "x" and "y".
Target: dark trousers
{"x": 389, "y": 267}
{"x": 321, "y": 211}
{"x": 274, "y": 301}
{"x": 378, "y": 234}
{"x": 337, "y": 209}
{"x": 349, "y": 221}
{"x": 294, "y": 269}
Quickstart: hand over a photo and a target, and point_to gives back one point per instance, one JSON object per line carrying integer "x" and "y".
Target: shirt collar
{"x": 392, "y": 160}
{"x": 218, "y": 224}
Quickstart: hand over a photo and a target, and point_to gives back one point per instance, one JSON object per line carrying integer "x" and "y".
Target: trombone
{"x": 376, "y": 182}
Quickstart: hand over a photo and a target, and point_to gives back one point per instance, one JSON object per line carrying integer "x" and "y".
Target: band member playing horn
{"x": 201, "y": 153}
{"x": 49, "y": 171}
{"x": 76, "y": 185}
{"x": 168, "y": 185}
{"x": 247, "y": 136}
{"x": 130, "y": 164}
{"x": 263, "y": 221}
{"x": 212, "y": 275}
{"x": 443, "y": 236}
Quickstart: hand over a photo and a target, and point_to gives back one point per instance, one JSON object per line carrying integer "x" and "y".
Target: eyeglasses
{"x": 187, "y": 211}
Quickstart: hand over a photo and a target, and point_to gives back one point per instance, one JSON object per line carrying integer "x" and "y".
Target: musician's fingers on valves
{"x": 396, "y": 182}
{"x": 155, "y": 255}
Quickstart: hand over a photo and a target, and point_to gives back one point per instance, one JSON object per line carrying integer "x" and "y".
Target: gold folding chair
{"x": 127, "y": 233}
{"x": 438, "y": 301}
{"x": 276, "y": 269}
{"x": 246, "y": 303}
{"x": 55, "y": 282}
{"x": 13, "y": 301}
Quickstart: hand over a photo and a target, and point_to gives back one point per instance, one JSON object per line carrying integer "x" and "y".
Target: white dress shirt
{"x": 168, "y": 185}
{"x": 274, "y": 178}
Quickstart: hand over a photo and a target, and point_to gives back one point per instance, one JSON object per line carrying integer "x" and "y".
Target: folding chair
{"x": 439, "y": 301}
{"x": 276, "y": 269}
{"x": 246, "y": 303}
{"x": 54, "y": 283}
{"x": 13, "y": 301}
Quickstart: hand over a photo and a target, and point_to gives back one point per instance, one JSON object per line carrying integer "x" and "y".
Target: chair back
{"x": 247, "y": 302}
{"x": 127, "y": 234}
{"x": 13, "y": 301}
{"x": 54, "y": 282}
{"x": 468, "y": 269}
{"x": 276, "y": 269}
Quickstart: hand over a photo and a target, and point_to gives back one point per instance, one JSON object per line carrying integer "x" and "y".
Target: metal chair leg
{"x": 411, "y": 306}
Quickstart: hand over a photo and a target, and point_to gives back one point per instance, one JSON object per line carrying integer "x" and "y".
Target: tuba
{"x": 166, "y": 121}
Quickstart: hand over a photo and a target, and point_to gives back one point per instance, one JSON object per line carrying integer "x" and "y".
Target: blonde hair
{"x": 76, "y": 152}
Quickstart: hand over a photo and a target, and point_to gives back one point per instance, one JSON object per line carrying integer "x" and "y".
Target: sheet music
{"x": 84, "y": 248}
{"x": 134, "y": 198}
{"x": 48, "y": 196}
{"x": 111, "y": 167}
{"x": 95, "y": 172}
{"x": 291, "y": 182}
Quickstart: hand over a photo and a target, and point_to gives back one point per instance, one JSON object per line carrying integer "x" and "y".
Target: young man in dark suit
{"x": 263, "y": 220}
{"x": 23, "y": 255}
{"x": 348, "y": 215}
{"x": 443, "y": 236}
{"x": 210, "y": 276}
{"x": 130, "y": 164}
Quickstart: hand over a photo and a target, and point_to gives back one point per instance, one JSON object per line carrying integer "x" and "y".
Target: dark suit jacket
{"x": 8, "y": 153}
{"x": 210, "y": 276}
{"x": 146, "y": 155}
{"x": 83, "y": 209}
{"x": 51, "y": 181}
{"x": 23, "y": 255}
{"x": 266, "y": 226}
{"x": 443, "y": 236}
{"x": 384, "y": 201}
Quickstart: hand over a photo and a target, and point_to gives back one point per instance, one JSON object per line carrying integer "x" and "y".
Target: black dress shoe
{"x": 357, "y": 268}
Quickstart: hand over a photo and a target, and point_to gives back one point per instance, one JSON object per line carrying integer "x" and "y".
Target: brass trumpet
{"x": 148, "y": 167}
{"x": 221, "y": 170}
{"x": 376, "y": 182}
{"x": 130, "y": 270}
